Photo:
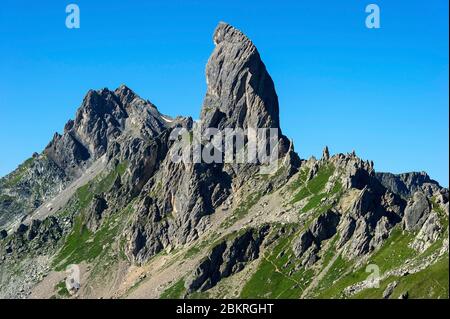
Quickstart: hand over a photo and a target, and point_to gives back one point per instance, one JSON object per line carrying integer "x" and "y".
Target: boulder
{"x": 428, "y": 233}
{"x": 416, "y": 211}
{"x": 389, "y": 289}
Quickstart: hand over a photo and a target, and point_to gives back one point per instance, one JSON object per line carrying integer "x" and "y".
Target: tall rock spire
{"x": 240, "y": 91}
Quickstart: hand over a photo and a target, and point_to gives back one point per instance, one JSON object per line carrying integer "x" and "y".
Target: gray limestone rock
{"x": 416, "y": 212}
{"x": 428, "y": 233}
{"x": 305, "y": 241}
{"x": 309, "y": 243}
{"x": 389, "y": 289}
{"x": 406, "y": 184}
{"x": 381, "y": 232}
{"x": 324, "y": 227}
{"x": 240, "y": 92}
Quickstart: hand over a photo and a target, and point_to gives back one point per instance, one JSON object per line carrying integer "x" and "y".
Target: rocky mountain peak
{"x": 227, "y": 33}
{"x": 103, "y": 116}
{"x": 240, "y": 91}
{"x": 125, "y": 94}
{"x": 97, "y": 102}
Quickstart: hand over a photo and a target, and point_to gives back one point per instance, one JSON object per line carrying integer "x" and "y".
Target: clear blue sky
{"x": 381, "y": 92}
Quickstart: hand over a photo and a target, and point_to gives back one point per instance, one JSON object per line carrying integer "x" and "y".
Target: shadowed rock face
{"x": 407, "y": 184}
{"x": 227, "y": 258}
{"x": 309, "y": 242}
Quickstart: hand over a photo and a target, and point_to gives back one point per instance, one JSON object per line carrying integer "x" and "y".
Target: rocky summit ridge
{"x": 106, "y": 196}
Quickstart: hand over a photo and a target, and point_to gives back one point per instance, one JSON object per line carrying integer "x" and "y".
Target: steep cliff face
{"x": 143, "y": 225}
{"x": 408, "y": 183}
{"x": 240, "y": 91}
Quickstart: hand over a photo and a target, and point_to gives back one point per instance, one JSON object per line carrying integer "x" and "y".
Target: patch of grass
{"x": 84, "y": 195}
{"x": 394, "y": 251}
{"x": 432, "y": 282}
{"x": 315, "y": 185}
{"x": 339, "y": 276}
{"x": 302, "y": 177}
{"x": 193, "y": 251}
{"x": 99, "y": 185}
{"x": 74, "y": 248}
{"x": 302, "y": 194}
{"x": 278, "y": 274}
{"x": 314, "y": 202}
{"x": 266, "y": 282}
{"x": 175, "y": 291}
{"x": 61, "y": 289}
{"x": 318, "y": 207}
{"x": 83, "y": 245}
{"x": 392, "y": 254}
{"x": 330, "y": 250}
{"x": 122, "y": 168}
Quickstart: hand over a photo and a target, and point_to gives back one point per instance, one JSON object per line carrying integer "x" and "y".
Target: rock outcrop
{"x": 416, "y": 212}
{"x": 428, "y": 234}
{"x": 309, "y": 242}
{"x": 240, "y": 91}
{"x": 227, "y": 258}
{"x": 39, "y": 237}
{"x": 408, "y": 183}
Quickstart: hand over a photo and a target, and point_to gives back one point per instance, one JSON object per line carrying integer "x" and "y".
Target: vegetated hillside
{"x": 106, "y": 196}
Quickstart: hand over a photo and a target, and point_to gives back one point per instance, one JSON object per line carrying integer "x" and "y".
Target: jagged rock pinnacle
{"x": 227, "y": 33}
{"x": 326, "y": 154}
{"x": 240, "y": 91}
